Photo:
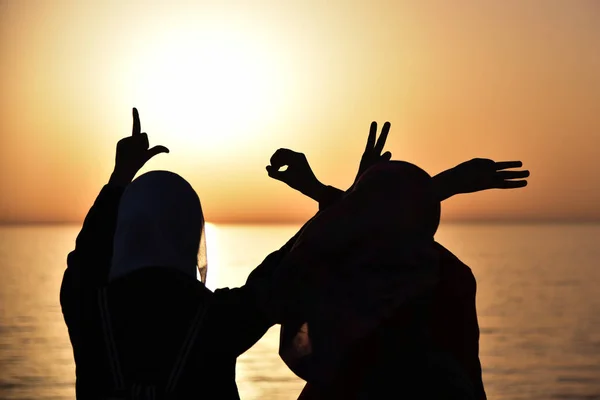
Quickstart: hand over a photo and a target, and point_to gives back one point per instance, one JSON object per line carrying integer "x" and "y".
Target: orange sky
{"x": 223, "y": 84}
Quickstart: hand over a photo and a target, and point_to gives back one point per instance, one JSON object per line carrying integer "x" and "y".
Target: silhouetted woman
{"x": 141, "y": 324}
{"x": 364, "y": 329}
{"x": 453, "y": 322}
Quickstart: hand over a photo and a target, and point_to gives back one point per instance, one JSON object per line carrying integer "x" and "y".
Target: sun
{"x": 211, "y": 87}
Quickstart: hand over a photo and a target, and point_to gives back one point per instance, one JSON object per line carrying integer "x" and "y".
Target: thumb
{"x": 387, "y": 156}
{"x": 155, "y": 150}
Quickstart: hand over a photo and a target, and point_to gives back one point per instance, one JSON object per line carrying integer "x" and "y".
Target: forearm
{"x": 326, "y": 196}
{"x": 443, "y": 185}
{"x": 270, "y": 263}
{"x": 93, "y": 246}
{"x": 329, "y": 196}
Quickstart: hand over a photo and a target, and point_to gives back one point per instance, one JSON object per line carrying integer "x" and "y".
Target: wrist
{"x": 443, "y": 185}
{"x": 315, "y": 191}
{"x": 120, "y": 178}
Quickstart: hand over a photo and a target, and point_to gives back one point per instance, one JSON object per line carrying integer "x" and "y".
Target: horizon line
{"x": 300, "y": 222}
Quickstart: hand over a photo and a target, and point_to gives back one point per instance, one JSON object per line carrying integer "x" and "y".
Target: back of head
{"x": 402, "y": 193}
{"x": 377, "y": 238}
{"x": 160, "y": 224}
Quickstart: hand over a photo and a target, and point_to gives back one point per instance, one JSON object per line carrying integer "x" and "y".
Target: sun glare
{"x": 211, "y": 87}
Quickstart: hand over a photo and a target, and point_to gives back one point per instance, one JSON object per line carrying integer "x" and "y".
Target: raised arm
{"x": 468, "y": 177}
{"x": 250, "y": 307}
{"x": 89, "y": 262}
{"x": 300, "y": 176}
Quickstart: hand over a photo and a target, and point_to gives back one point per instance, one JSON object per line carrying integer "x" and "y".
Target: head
{"x": 400, "y": 193}
{"x": 160, "y": 224}
{"x": 392, "y": 199}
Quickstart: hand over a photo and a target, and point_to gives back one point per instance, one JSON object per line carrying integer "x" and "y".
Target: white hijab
{"x": 160, "y": 224}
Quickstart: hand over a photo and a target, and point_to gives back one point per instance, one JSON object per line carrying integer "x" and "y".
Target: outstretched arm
{"x": 479, "y": 174}
{"x": 252, "y": 305}
{"x": 89, "y": 262}
{"x": 471, "y": 176}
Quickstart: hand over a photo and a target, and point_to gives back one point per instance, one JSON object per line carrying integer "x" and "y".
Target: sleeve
{"x": 266, "y": 268}
{"x": 88, "y": 264}
{"x": 330, "y": 196}
{"x": 244, "y": 321}
{"x": 472, "y": 338}
{"x": 248, "y": 318}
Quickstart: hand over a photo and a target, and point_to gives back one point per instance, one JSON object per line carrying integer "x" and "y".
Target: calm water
{"x": 538, "y": 301}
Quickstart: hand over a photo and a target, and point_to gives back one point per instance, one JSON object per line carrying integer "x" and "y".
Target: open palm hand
{"x": 483, "y": 174}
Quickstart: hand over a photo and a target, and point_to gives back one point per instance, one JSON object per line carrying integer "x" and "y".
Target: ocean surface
{"x": 538, "y": 303}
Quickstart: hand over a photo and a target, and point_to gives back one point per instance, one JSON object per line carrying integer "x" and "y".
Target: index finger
{"x": 508, "y": 164}
{"x": 282, "y": 156}
{"x": 383, "y": 137}
{"x": 137, "y": 127}
{"x": 371, "y": 138}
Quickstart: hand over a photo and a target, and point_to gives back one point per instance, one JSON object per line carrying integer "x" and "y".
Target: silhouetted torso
{"x": 429, "y": 350}
{"x": 150, "y": 313}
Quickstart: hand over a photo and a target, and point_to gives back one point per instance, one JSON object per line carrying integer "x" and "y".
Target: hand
{"x": 372, "y": 154}
{"x": 133, "y": 153}
{"x": 480, "y": 174}
{"x": 298, "y": 174}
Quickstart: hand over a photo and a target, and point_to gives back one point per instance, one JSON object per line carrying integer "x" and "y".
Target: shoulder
{"x": 452, "y": 267}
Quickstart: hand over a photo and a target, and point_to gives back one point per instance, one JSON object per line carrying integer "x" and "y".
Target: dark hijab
{"x": 355, "y": 265}
{"x": 160, "y": 224}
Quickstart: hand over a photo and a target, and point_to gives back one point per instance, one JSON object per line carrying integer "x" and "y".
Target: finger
{"x": 512, "y": 174}
{"x": 511, "y": 184}
{"x": 144, "y": 138}
{"x": 372, "y": 136}
{"x": 137, "y": 127}
{"x": 387, "y": 156}
{"x": 155, "y": 151}
{"x": 382, "y": 138}
{"x": 283, "y": 157}
{"x": 508, "y": 164}
{"x": 274, "y": 173}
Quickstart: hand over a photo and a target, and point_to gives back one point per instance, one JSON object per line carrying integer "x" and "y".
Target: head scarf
{"x": 160, "y": 224}
{"x": 354, "y": 265}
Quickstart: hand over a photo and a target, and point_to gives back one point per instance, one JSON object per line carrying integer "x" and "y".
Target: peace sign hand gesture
{"x": 372, "y": 154}
{"x": 133, "y": 152}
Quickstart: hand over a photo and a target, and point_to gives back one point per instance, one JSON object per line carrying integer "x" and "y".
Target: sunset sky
{"x": 223, "y": 84}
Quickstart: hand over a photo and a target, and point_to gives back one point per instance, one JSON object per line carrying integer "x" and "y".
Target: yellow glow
{"x": 210, "y": 87}
{"x": 225, "y": 83}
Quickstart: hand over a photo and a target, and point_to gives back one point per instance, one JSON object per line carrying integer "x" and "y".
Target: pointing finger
{"x": 137, "y": 127}
{"x": 382, "y": 138}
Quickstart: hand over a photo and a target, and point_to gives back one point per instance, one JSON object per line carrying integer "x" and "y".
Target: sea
{"x": 538, "y": 303}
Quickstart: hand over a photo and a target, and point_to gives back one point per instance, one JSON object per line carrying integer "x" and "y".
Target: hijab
{"x": 354, "y": 265}
{"x": 160, "y": 224}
